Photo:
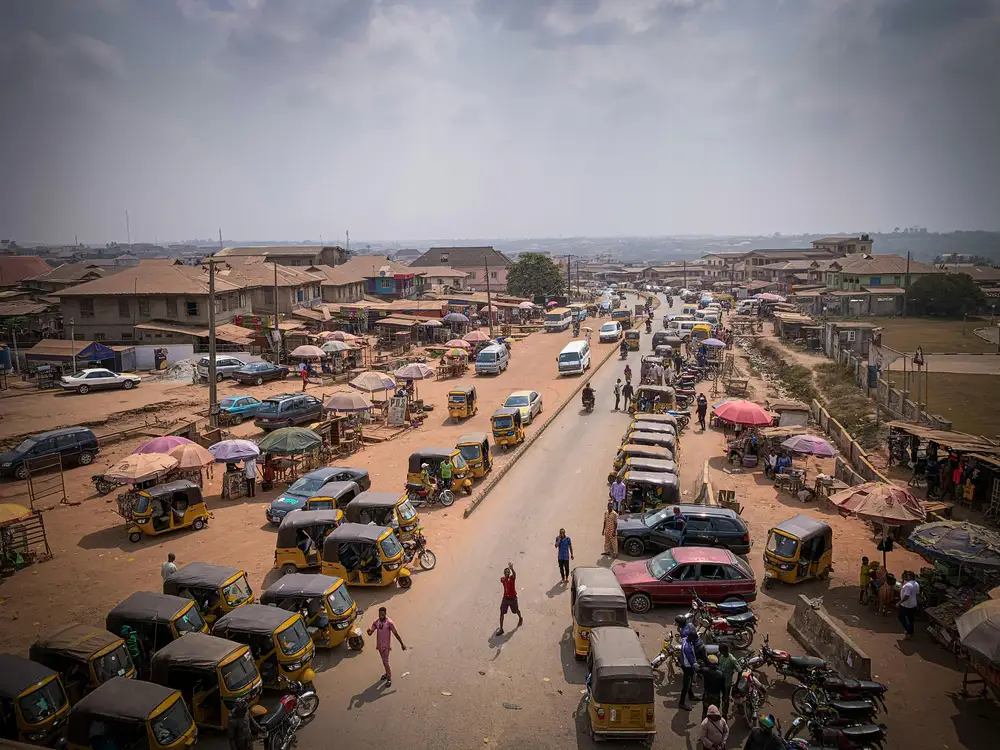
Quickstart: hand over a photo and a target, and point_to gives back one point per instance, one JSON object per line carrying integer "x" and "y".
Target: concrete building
{"x": 290, "y": 255}
{"x": 296, "y": 287}
{"x": 149, "y": 303}
{"x": 478, "y": 262}
{"x": 442, "y": 278}
{"x": 845, "y": 244}
{"x": 858, "y": 272}
{"x": 384, "y": 278}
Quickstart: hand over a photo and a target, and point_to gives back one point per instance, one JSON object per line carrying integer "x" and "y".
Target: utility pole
{"x": 13, "y": 340}
{"x": 685, "y": 274}
{"x": 213, "y": 405}
{"x": 489, "y": 298}
{"x": 569, "y": 261}
{"x": 128, "y": 231}
{"x": 72, "y": 343}
{"x": 906, "y": 284}
{"x": 277, "y": 316}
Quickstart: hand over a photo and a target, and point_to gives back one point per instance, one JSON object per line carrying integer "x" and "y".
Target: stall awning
{"x": 959, "y": 441}
{"x": 232, "y": 334}
{"x": 57, "y": 349}
{"x": 395, "y": 320}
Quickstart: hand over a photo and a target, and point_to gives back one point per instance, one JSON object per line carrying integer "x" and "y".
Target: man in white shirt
{"x": 168, "y": 567}
{"x": 250, "y": 472}
{"x": 908, "y": 601}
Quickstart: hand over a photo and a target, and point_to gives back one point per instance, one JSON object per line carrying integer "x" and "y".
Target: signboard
{"x": 397, "y": 411}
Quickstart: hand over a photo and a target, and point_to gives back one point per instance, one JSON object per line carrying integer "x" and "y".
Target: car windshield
{"x": 503, "y": 423}
{"x": 781, "y": 545}
{"x": 456, "y": 398}
{"x": 238, "y": 592}
{"x": 25, "y": 446}
{"x": 457, "y": 462}
{"x": 189, "y": 622}
{"x": 171, "y": 725}
{"x": 406, "y": 511}
{"x": 513, "y": 401}
{"x": 660, "y": 565}
{"x": 655, "y": 517}
{"x": 306, "y": 487}
{"x": 470, "y": 452}
{"x": 141, "y": 504}
{"x": 608, "y": 328}
{"x": 40, "y": 704}
{"x": 116, "y": 663}
{"x": 390, "y": 546}
{"x": 239, "y": 673}
{"x": 268, "y": 407}
{"x": 203, "y": 362}
{"x": 340, "y": 600}
{"x": 569, "y": 357}
{"x": 294, "y": 638}
{"x": 487, "y": 357}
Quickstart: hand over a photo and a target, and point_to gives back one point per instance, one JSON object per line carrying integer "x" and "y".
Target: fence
{"x": 853, "y": 465}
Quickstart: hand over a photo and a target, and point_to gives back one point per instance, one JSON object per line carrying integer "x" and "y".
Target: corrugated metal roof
{"x": 233, "y": 334}
{"x": 156, "y": 279}
{"x": 58, "y": 347}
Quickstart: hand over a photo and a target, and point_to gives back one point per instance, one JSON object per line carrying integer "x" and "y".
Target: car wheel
{"x": 236, "y": 419}
{"x": 128, "y": 384}
{"x": 21, "y": 472}
{"x": 135, "y": 537}
{"x": 85, "y": 458}
{"x": 284, "y": 375}
{"x": 633, "y": 547}
{"x": 733, "y": 599}
{"x": 83, "y": 389}
{"x": 218, "y": 377}
{"x": 289, "y": 568}
{"x": 258, "y": 380}
{"x": 198, "y": 524}
{"x": 640, "y": 603}
{"x": 404, "y": 582}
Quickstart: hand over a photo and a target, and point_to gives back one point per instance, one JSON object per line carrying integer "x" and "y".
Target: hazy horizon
{"x": 527, "y": 119}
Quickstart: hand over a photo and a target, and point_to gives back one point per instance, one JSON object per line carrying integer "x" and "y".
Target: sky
{"x": 405, "y": 119}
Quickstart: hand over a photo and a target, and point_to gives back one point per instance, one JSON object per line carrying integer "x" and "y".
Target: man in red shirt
{"x": 509, "y": 601}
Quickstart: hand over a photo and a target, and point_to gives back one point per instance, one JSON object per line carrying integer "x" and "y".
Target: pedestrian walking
{"x": 385, "y": 629}
{"x": 688, "y": 662}
{"x": 628, "y": 375}
{"x": 618, "y": 494}
{"x": 713, "y": 683}
{"x": 618, "y": 392}
{"x": 627, "y": 393}
{"x": 908, "y": 601}
{"x": 304, "y": 374}
{"x": 678, "y": 361}
{"x": 509, "y": 601}
{"x": 714, "y": 731}
{"x": 864, "y": 579}
{"x": 729, "y": 666}
{"x": 168, "y": 567}
{"x": 702, "y": 410}
{"x": 611, "y": 531}
{"x": 250, "y": 472}
{"x": 564, "y": 545}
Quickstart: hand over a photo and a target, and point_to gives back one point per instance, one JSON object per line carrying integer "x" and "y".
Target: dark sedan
{"x": 311, "y": 485}
{"x": 257, "y": 373}
{"x": 706, "y": 527}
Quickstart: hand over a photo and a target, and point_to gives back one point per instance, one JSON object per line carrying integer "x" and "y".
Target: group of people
{"x": 876, "y": 581}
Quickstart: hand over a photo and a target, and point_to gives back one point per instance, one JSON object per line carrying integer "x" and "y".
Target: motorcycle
{"x": 737, "y": 630}
{"x": 103, "y": 485}
{"x": 839, "y": 713}
{"x": 833, "y": 687}
{"x": 862, "y": 737}
{"x": 801, "y": 668}
{"x": 588, "y": 403}
{"x": 576, "y": 330}
{"x": 418, "y": 494}
{"x": 301, "y": 699}
{"x": 670, "y": 654}
{"x": 748, "y": 693}
{"x": 683, "y": 418}
{"x": 649, "y": 325}
{"x": 417, "y": 548}
{"x": 623, "y": 351}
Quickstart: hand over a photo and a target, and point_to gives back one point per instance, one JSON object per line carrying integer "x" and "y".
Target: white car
{"x": 611, "y": 331}
{"x": 529, "y": 403}
{"x": 86, "y": 381}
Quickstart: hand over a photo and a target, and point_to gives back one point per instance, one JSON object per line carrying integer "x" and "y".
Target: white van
{"x": 575, "y": 357}
{"x": 748, "y": 307}
{"x": 689, "y": 310}
{"x": 684, "y": 329}
{"x": 492, "y": 360}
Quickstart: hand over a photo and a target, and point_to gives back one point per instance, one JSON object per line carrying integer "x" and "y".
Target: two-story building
{"x": 755, "y": 260}
{"x": 296, "y": 287}
{"x": 385, "y": 278}
{"x": 481, "y": 263}
{"x": 845, "y": 244}
{"x": 152, "y": 302}
{"x": 67, "y": 275}
{"x": 290, "y": 255}
{"x": 439, "y": 279}
{"x": 855, "y": 273}
{"x": 339, "y": 284}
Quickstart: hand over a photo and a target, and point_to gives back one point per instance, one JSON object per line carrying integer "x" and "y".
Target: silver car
{"x": 225, "y": 365}
{"x": 97, "y": 378}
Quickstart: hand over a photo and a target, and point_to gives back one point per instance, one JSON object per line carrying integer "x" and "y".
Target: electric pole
{"x": 489, "y": 298}
{"x": 213, "y": 405}
{"x": 569, "y": 261}
{"x": 906, "y": 284}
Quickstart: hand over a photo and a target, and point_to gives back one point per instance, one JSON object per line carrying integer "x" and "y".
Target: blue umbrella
{"x": 714, "y": 342}
{"x": 455, "y": 318}
{"x": 957, "y": 542}
{"x": 233, "y": 450}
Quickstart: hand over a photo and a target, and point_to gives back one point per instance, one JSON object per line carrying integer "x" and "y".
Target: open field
{"x": 906, "y": 334}
{"x": 972, "y": 402}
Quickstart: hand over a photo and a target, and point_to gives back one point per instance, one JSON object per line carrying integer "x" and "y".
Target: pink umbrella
{"x": 192, "y": 456}
{"x": 739, "y": 411}
{"x": 342, "y": 336}
{"x": 458, "y": 344}
{"x": 817, "y": 446}
{"x": 553, "y": 303}
{"x": 163, "y": 444}
{"x": 475, "y": 337}
{"x": 768, "y": 297}
{"x": 881, "y": 503}
{"x": 489, "y": 308}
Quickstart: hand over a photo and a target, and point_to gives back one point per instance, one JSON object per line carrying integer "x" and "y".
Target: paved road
{"x": 957, "y": 364}
{"x": 450, "y": 614}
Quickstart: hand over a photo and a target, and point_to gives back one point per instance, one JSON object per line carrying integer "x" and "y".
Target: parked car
{"x": 706, "y": 527}
{"x": 225, "y": 365}
{"x": 97, "y": 378}
{"x": 256, "y": 373}
{"x": 715, "y": 574}
{"x": 76, "y": 445}
{"x": 529, "y": 403}
{"x": 288, "y": 410}
{"x": 610, "y": 332}
{"x": 311, "y": 485}
{"x": 238, "y": 408}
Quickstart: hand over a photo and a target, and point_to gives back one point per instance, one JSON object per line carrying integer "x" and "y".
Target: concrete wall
{"x": 852, "y": 454}
{"x": 820, "y": 635}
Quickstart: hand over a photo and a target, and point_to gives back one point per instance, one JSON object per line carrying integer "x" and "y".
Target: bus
{"x": 558, "y": 319}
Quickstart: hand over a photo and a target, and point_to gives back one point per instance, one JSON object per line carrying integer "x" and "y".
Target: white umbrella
{"x": 414, "y": 371}
{"x": 372, "y": 381}
{"x": 348, "y": 401}
{"x": 527, "y": 305}
{"x": 432, "y": 324}
{"x": 307, "y": 351}
{"x": 332, "y": 347}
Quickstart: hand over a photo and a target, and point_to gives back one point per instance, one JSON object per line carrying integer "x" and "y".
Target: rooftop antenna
{"x": 128, "y": 231}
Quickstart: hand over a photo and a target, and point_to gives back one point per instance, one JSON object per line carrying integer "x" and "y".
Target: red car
{"x": 716, "y": 574}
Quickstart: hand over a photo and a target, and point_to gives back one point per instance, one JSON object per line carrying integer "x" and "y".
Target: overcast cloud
{"x": 496, "y": 118}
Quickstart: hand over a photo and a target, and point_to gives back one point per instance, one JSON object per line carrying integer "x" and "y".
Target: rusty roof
{"x": 879, "y": 264}
{"x": 14, "y": 268}
{"x": 253, "y": 271}
{"x": 18, "y": 307}
{"x": 156, "y": 279}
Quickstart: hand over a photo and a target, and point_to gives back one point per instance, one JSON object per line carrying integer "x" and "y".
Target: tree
{"x": 948, "y": 295}
{"x": 534, "y": 274}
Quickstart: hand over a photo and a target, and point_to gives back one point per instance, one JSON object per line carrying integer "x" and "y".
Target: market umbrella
{"x": 553, "y": 303}
{"x": 878, "y": 502}
{"x": 455, "y": 318}
{"x": 432, "y": 324}
{"x": 348, "y": 401}
{"x": 979, "y": 630}
{"x": 740, "y": 411}
{"x": 489, "y": 308}
{"x": 307, "y": 351}
{"x": 290, "y": 441}
{"x": 957, "y": 542}
{"x": 714, "y": 343}
{"x": 768, "y": 297}
{"x": 414, "y": 371}
{"x": 527, "y": 305}
{"x": 140, "y": 467}
{"x": 475, "y": 337}
{"x": 163, "y": 444}
{"x": 342, "y": 336}
{"x": 456, "y": 353}
{"x": 458, "y": 343}
{"x": 333, "y": 346}
{"x": 192, "y": 456}
{"x": 817, "y": 446}
{"x": 227, "y": 451}
{"x": 372, "y": 381}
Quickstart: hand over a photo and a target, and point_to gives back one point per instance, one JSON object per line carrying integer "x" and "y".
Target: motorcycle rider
{"x": 623, "y": 349}
{"x": 649, "y": 325}
{"x": 764, "y": 736}
{"x": 588, "y": 394}
{"x": 426, "y": 479}
{"x": 242, "y": 727}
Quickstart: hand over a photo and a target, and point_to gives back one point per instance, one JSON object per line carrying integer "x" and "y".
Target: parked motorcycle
{"x": 417, "y": 548}
{"x": 801, "y": 668}
{"x": 833, "y": 687}
{"x": 103, "y": 485}
{"x": 670, "y": 657}
{"x": 862, "y": 737}
{"x": 301, "y": 699}
{"x": 682, "y": 417}
{"x": 748, "y": 694}
{"x": 418, "y": 494}
{"x": 737, "y": 631}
